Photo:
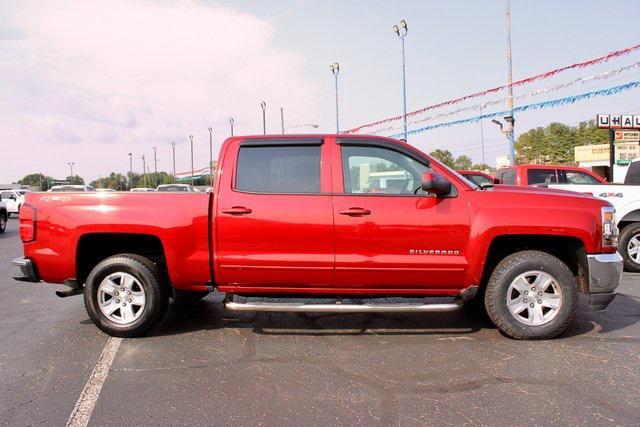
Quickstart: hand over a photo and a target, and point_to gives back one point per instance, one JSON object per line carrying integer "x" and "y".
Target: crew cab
{"x": 13, "y": 200}
{"x": 546, "y": 174}
{"x": 299, "y": 216}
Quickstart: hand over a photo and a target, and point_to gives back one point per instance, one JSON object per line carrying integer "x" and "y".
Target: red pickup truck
{"x": 327, "y": 216}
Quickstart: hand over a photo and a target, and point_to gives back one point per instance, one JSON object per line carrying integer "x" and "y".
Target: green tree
{"x": 36, "y": 180}
{"x": 75, "y": 180}
{"x": 444, "y": 156}
{"x": 463, "y": 162}
{"x": 480, "y": 167}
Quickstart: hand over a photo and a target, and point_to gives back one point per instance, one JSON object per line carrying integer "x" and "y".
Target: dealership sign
{"x": 627, "y": 136}
{"x": 611, "y": 121}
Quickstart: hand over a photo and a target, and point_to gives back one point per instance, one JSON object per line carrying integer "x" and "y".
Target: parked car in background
{"x": 479, "y": 178}
{"x": 105, "y": 190}
{"x": 175, "y": 188}
{"x": 13, "y": 200}
{"x": 3, "y": 216}
{"x": 546, "y": 174}
{"x": 294, "y": 215}
{"x": 626, "y": 199}
{"x": 142, "y": 190}
{"x": 72, "y": 188}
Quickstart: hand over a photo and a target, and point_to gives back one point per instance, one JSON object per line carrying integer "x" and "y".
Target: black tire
{"x": 150, "y": 279}
{"x": 3, "y": 221}
{"x": 507, "y": 271}
{"x": 186, "y": 297}
{"x": 629, "y": 232}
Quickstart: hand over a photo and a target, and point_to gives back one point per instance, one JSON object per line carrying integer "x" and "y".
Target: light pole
{"x": 282, "y": 119}
{"x": 191, "y": 141}
{"x": 173, "y": 149}
{"x": 155, "y": 166}
{"x": 510, "y": 119}
{"x": 130, "y": 171}
{"x": 231, "y": 121}
{"x": 402, "y": 31}
{"x": 144, "y": 171}
{"x": 71, "y": 167}
{"x": 211, "y": 156}
{"x": 482, "y": 134}
{"x": 263, "y": 105}
{"x": 335, "y": 70}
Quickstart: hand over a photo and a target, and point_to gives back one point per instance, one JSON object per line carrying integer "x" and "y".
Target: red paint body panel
{"x": 521, "y": 178}
{"x": 302, "y": 243}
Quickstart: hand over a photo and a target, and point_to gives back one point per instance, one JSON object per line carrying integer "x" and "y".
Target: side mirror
{"x": 435, "y": 183}
{"x": 496, "y": 181}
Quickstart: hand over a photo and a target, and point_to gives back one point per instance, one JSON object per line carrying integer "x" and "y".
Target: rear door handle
{"x": 355, "y": 212}
{"x": 237, "y": 210}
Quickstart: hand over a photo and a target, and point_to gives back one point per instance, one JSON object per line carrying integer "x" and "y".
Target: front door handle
{"x": 237, "y": 210}
{"x": 355, "y": 212}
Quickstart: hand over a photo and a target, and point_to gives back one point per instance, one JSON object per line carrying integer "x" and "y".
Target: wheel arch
{"x": 570, "y": 250}
{"x": 95, "y": 247}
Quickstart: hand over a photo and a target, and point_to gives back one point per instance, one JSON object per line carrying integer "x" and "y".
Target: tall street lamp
{"x": 402, "y": 31}
{"x": 510, "y": 119}
{"x": 231, "y": 121}
{"x": 144, "y": 171}
{"x": 71, "y": 167}
{"x": 282, "y": 119}
{"x": 191, "y": 142}
{"x": 335, "y": 70}
{"x": 155, "y": 166}
{"x": 130, "y": 171}
{"x": 211, "y": 156}
{"x": 263, "y": 105}
{"x": 173, "y": 149}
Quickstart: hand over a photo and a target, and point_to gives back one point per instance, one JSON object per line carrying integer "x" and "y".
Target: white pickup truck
{"x": 626, "y": 199}
{"x": 13, "y": 199}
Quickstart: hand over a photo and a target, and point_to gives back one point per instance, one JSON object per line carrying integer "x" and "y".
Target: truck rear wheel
{"x": 531, "y": 295}
{"x": 629, "y": 247}
{"x": 125, "y": 295}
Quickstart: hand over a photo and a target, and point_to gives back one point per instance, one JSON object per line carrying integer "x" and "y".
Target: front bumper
{"x": 27, "y": 270}
{"x": 605, "y": 272}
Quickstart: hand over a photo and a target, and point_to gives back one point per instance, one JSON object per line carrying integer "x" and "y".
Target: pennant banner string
{"x": 521, "y": 82}
{"x": 536, "y": 106}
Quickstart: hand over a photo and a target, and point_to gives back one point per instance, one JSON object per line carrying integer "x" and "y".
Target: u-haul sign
{"x": 611, "y": 121}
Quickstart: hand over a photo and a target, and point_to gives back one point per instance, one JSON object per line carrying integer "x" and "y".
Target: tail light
{"x": 27, "y": 223}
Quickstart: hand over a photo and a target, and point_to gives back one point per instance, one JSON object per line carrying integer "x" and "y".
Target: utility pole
{"x": 155, "y": 166}
{"x": 191, "y": 141}
{"x": 263, "y": 105}
{"x": 482, "y": 135}
{"x": 402, "y": 33}
{"x": 130, "y": 171}
{"x": 144, "y": 171}
{"x": 335, "y": 70}
{"x": 173, "y": 148}
{"x": 211, "y": 156}
{"x": 231, "y": 121}
{"x": 510, "y": 119}
{"x": 282, "y": 119}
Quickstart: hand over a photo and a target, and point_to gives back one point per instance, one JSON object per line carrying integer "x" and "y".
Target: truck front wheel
{"x": 125, "y": 295}
{"x": 629, "y": 247}
{"x": 531, "y": 295}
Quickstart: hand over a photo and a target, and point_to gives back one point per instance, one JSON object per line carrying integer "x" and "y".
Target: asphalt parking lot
{"x": 206, "y": 366}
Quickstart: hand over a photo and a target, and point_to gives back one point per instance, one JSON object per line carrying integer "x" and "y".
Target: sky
{"x": 89, "y": 82}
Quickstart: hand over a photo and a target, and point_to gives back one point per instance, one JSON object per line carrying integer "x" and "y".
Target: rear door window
{"x": 541, "y": 176}
{"x": 577, "y": 177}
{"x": 507, "y": 176}
{"x": 279, "y": 169}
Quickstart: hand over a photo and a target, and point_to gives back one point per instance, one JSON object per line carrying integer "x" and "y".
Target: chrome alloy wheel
{"x": 121, "y": 298}
{"x": 534, "y": 298}
{"x": 633, "y": 248}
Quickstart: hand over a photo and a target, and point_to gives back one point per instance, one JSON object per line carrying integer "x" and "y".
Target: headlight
{"x": 609, "y": 230}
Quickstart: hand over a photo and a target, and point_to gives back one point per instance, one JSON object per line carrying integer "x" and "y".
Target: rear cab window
{"x": 507, "y": 176}
{"x": 541, "y": 176}
{"x": 279, "y": 168}
{"x": 576, "y": 177}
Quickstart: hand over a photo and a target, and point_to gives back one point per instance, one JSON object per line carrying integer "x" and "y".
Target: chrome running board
{"x": 343, "y": 308}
